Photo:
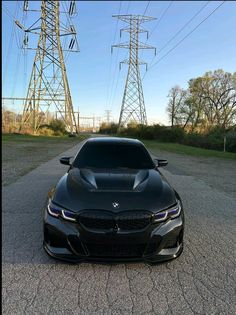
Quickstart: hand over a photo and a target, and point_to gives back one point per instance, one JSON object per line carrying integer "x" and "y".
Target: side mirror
{"x": 160, "y": 162}
{"x": 65, "y": 160}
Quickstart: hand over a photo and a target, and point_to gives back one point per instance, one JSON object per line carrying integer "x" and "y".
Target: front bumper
{"x": 70, "y": 242}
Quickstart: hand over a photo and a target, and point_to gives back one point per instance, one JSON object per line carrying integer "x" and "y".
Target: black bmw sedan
{"x": 113, "y": 204}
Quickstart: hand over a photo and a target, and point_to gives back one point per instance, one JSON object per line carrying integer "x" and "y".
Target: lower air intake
{"x": 116, "y": 250}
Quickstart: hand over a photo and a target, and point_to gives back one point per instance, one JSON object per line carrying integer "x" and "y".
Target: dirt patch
{"x": 22, "y": 154}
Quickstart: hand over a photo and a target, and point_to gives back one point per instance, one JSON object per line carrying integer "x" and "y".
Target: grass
{"x": 23, "y": 153}
{"x": 187, "y": 150}
{"x": 8, "y": 138}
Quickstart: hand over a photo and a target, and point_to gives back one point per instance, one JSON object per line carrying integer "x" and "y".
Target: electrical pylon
{"x": 133, "y": 105}
{"x": 108, "y": 115}
{"x": 48, "y": 86}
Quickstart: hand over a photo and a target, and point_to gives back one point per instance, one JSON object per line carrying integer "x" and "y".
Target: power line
{"x": 25, "y": 54}
{"x": 17, "y": 72}
{"x": 20, "y": 52}
{"x": 8, "y": 13}
{"x": 113, "y": 81}
{"x": 161, "y": 17}
{"x": 146, "y": 7}
{"x": 187, "y": 35}
{"x": 17, "y": 34}
{"x": 184, "y": 26}
{"x": 128, "y": 5}
{"x": 158, "y": 22}
{"x": 13, "y": 34}
{"x": 108, "y": 88}
{"x": 8, "y": 50}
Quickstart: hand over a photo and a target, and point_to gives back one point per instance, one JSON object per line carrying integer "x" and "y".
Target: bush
{"x": 59, "y": 133}
{"x": 44, "y": 131}
{"x": 55, "y": 128}
{"x": 108, "y": 129}
{"x": 58, "y": 126}
{"x": 175, "y": 134}
{"x": 213, "y": 140}
{"x": 146, "y": 132}
{"x": 156, "y": 132}
{"x": 231, "y": 141}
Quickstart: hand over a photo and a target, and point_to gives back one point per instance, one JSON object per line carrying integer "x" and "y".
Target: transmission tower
{"x": 133, "y": 106}
{"x": 48, "y": 85}
{"x": 108, "y": 115}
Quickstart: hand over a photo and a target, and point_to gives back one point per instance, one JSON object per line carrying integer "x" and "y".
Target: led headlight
{"x": 67, "y": 215}
{"x": 170, "y": 213}
{"x": 57, "y": 211}
{"x": 54, "y": 210}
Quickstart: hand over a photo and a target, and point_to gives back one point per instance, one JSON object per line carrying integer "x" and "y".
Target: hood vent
{"x": 114, "y": 180}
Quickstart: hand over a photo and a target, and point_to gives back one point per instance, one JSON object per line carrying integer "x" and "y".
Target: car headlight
{"x": 170, "y": 213}
{"x": 57, "y": 211}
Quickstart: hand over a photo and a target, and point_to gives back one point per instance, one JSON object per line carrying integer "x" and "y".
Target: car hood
{"x": 99, "y": 189}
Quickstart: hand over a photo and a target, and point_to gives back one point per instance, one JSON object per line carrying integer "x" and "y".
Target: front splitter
{"x": 64, "y": 254}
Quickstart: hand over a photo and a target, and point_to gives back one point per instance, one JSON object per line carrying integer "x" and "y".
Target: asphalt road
{"x": 201, "y": 281}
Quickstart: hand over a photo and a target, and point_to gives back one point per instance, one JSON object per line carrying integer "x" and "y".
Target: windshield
{"x": 106, "y": 155}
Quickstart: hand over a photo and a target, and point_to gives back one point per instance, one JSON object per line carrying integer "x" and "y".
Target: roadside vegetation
{"x": 11, "y": 123}
{"x": 202, "y": 116}
{"x": 56, "y": 127}
{"x": 212, "y": 140}
{"x": 177, "y": 141}
{"x": 208, "y": 102}
{"x": 186, "y": 150}
{"x": 12, "y": 138}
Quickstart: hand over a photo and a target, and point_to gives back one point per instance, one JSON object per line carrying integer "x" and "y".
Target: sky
{"x": 95, "y": 80}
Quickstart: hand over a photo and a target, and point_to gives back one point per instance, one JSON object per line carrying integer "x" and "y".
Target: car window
{"x": 105, "y": 155}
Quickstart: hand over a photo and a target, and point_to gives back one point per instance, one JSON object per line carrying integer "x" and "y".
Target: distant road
{"x": 201, "y": 281}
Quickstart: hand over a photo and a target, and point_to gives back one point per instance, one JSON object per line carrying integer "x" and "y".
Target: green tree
{"x": 215, "y": 96}
{"x": 209, "y": 101}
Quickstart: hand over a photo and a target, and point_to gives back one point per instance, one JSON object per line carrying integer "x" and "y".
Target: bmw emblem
{"x": 115, "y": 204}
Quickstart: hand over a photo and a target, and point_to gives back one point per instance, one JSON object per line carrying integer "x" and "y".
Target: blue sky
{"x": 94, "y": 77}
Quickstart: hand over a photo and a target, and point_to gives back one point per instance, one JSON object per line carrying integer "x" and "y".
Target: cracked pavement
{"x": 201, "y": 281}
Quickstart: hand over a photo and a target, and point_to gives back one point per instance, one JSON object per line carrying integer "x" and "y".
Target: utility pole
{"x": 108, "y": 115}
{"x": 48, "y": 86}
{"x": 133, "y": 105}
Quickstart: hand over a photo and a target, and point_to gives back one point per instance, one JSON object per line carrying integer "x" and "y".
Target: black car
{"x": 113, "y": 204}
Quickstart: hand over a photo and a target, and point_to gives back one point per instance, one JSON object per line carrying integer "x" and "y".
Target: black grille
{"x": 116, "y": 250}
{"x": 105, "y": 220}
{"x": 133, "y": 220}
{"x": 96, "y": 220}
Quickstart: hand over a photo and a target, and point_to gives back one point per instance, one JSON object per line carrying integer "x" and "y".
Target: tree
{"x": 209, "y": 101}
{"x": 216, "y": 91}
{"x": 177, "y": 97}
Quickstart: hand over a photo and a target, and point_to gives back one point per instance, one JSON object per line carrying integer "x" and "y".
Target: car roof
{"x": 113, "y": 140}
